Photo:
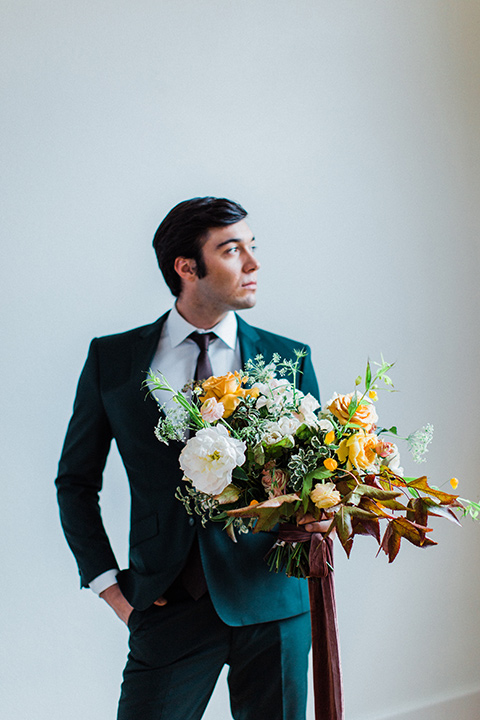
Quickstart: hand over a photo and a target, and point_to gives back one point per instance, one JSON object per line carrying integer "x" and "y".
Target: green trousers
{"x": 178, "y": 651}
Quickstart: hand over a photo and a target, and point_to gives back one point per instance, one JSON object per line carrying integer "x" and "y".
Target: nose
{"x": 251, "y": 263}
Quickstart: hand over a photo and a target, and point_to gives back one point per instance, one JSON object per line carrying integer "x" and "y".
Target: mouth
{"x": 252, "y": 285}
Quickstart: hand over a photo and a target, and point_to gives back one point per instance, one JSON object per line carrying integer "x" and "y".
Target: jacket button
{"x": 191, "y": 521}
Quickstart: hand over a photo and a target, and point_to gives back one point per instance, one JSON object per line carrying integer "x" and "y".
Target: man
{"x": 193, "y": 599}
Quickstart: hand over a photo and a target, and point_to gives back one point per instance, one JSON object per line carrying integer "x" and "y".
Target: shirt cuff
{"x": 103, "y": 581}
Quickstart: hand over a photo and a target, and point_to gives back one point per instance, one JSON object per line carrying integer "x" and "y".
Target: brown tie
{"x": 193, "y": 577}
{"x": 203, "y": 369}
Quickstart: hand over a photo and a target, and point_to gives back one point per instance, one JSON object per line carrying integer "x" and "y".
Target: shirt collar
{"x": 178, "y": 329}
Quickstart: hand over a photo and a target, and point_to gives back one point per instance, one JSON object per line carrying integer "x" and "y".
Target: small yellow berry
{"x": 454, "y": 483}
{"x": 373, "y": 395}
{"x": 330, "y": 437}
{"x": 330, "y": 464}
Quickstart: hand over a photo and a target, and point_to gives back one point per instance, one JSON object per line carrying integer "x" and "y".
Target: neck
{"x": 200, "y": 317}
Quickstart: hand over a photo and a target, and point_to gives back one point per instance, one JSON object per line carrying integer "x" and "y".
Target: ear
{"x": 186, "y": 268}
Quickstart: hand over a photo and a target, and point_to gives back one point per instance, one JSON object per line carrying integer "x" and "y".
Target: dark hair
{"x": 181, "y": 233}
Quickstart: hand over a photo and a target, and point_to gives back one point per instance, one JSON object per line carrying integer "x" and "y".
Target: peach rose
{"x": 227, "y": 389}
{"x": 325, "y": 495}
{"x": 384, "y": 449}
{"x": 364, "y": 415}
{"x": 359, "y": 450}
{"x": 212, "y": 410}
{"x": 274, "y": 480}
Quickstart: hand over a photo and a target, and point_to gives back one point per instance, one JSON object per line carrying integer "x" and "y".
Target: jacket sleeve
{"x": 80, "y": 472}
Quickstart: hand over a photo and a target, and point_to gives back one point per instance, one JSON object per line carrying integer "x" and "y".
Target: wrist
{"x": 114, "y": 597}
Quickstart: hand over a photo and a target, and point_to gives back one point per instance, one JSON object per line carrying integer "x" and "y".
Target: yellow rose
{"x": 358, "y": 450}
{"x": 227, "y": 389}
{"x": 325, "y": 495}
{"x": 364, "y": 415}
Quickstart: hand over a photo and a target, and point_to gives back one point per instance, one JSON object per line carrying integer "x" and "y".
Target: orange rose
{"x": 364, "y": 415}
{"x": 359, "y": 450}
{"x": 228, "y": 390}
{"x": 222, "y": 385}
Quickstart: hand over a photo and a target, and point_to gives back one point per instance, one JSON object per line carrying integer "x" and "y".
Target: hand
{"x": 309, "y": 524}
{"x": 114, "y": 597}
{"x": 161, "y": 601}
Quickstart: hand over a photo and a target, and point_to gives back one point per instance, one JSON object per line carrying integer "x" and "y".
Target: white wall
{"x": 350, "y": 130}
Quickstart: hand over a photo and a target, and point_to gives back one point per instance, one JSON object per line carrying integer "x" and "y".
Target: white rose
{"x": 275, "y": 393}
{"x": 271, "y": 433}
{"x": 306, "y": 410}
{"x": 288, "y": 425}
{"x": 309, "y": 404}
{"x": 325, "y": 425}
{"x": 209, "y": 458}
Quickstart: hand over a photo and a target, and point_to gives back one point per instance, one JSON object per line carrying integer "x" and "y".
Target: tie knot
{"x": 203, "y": 340}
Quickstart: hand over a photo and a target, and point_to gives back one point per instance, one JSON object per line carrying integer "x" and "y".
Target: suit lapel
{"x": 249, "y": 339}
{"x": 142, "y": 353}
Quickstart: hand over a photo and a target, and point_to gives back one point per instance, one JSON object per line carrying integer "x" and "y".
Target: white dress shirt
{"x": 176, "y": 358}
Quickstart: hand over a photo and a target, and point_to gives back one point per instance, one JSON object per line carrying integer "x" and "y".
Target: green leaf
{"x": 368, "y": 377}
{"x": 259, "y": 454}
{"x": 352, "y": 406}
{"x": 303, "y": 432}
{"x": 240, "y": 474}
{"x": 318, "y": 474}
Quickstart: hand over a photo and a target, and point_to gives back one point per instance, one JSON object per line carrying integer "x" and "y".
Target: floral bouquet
{"x": 262, "y": 453}
{"x": 266, "y": 454}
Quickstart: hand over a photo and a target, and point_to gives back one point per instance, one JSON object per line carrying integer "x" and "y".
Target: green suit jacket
{"x": 110, "y": 404}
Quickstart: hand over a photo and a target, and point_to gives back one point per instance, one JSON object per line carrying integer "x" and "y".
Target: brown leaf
{"x": 418, "y": 511}
{"x": 375, "y": 508}
{"x": 230, "y": 494}
{"x": 422, "y": 485}
{"x": 268, "y": 513}
{"x": 230, "y": 530}
{"x": 366, "y": 527}
{"x": 343, "y": 524}
{"x": 403, "y": 528}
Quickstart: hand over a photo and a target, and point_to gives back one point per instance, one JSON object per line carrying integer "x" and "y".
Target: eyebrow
{"x": 234, "y": 240}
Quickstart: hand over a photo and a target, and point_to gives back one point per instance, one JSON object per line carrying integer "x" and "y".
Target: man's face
{"x": 231, "y": 279}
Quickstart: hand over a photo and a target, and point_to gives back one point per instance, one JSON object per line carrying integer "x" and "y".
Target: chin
{"x": 244, "y": 303}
